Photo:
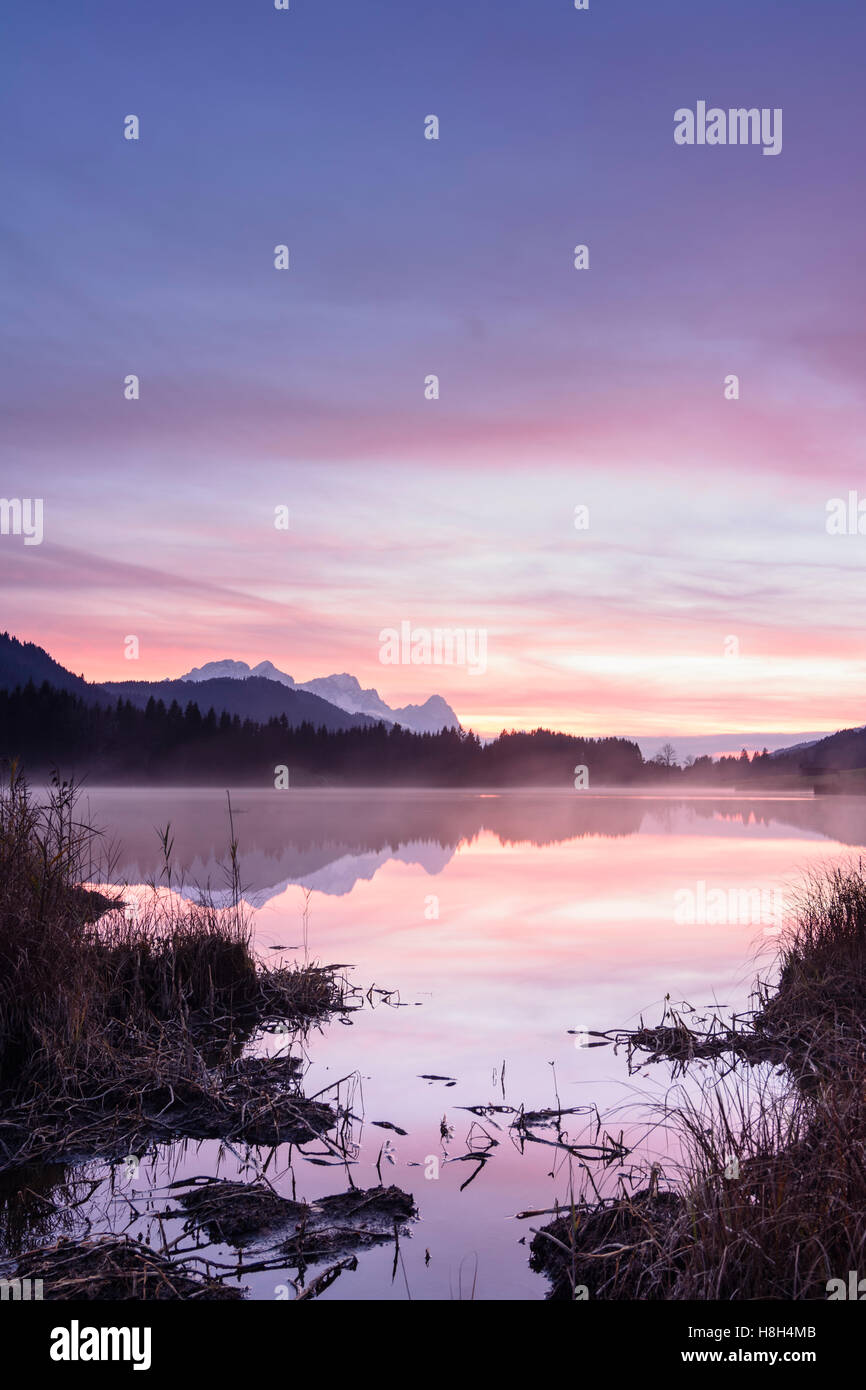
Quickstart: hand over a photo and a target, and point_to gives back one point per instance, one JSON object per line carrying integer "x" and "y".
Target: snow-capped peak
{"x": 213, "y": 670}
{"x": 342, "y": 690}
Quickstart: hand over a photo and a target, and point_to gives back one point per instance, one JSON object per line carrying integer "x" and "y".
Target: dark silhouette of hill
{"x": 838, "y": 753}
{"x": 257, "y": 698}
{"x": 842, "y": 752}
{"x": 21, "y": 662}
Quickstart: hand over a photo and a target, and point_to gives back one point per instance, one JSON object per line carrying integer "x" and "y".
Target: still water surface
{"x": 503, "y": 921}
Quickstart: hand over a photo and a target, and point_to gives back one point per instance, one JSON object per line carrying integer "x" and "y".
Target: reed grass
{"x": 103, "y": 1009}
{"x": 767, "y": 1197}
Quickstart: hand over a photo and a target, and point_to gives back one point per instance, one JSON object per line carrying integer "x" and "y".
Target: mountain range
{"x": 336, "y": 702}
{"x": 232, "y": 687}
{"x": 344, "y": 691}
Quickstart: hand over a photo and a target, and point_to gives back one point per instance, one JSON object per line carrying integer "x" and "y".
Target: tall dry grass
{"x": 767, "y": 1199}
{"x": 86, "y": 986}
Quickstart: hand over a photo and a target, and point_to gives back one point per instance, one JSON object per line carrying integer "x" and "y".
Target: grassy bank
{"x": 115, "y": 1025}
{"x": 768, "y": 1200}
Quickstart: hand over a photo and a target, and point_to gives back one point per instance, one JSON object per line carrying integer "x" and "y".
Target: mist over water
{"x": 503, "y": 921}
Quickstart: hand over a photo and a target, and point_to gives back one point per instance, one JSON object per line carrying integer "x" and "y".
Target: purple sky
{"x": 408, "y": 257}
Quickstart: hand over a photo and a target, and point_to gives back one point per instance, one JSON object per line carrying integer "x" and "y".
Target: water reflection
{"x": 331, "y": 841}
{"x": 512, "y": 927}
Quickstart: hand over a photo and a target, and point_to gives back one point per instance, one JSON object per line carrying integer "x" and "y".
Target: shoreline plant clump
{"x": 768, "y": 1198}
{"x": 116, "y": 1024}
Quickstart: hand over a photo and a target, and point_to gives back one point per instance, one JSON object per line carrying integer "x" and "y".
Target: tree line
{"x": 46, "y": 728}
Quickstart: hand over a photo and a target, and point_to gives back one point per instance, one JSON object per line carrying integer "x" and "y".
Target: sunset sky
{"x": 305, "y": 387}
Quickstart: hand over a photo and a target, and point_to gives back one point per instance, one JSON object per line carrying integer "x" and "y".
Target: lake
{"x": 502, "y": 921}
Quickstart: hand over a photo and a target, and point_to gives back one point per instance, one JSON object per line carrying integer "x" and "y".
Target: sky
{"x": 705, "y": 594}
